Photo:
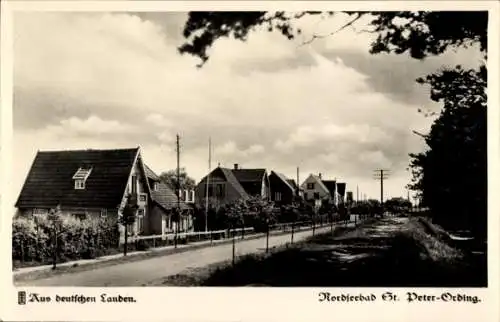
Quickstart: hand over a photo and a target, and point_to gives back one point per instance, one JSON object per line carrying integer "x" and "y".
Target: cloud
{"x": 306, "y": 136}
{"x": 230, "y": 151}
{"x": 158, "y": 120}
{"x": 107, "y": 80}
{"x": 91, "y": 126}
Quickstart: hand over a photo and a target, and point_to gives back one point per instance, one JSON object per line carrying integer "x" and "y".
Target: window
{"x": 140, "y": 220}
{"x": 277, "y": 196}
{"x": 81, "y": 176}
{"x": 143, "y": 197}
{"x": 316, "y": 195}
{"x": 210, "y": 190}
{"x": 79, "y": 184}
{"x": 133, "y": 184}
{"x": 104, "y": 212}
{"x": 39, "y": 211}
{"x": 155, "y": 186}
{"x": 220, "y": 193}
{"x": 310, "y": 186}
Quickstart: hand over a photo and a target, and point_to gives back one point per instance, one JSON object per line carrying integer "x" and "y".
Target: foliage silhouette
{"x": 451, "y": 176}
{"x": 170, "y": 179}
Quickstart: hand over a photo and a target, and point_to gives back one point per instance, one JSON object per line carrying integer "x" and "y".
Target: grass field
{"x": 389, "y": 252}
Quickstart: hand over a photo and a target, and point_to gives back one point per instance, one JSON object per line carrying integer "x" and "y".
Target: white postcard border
{"x": 229, "y": 304}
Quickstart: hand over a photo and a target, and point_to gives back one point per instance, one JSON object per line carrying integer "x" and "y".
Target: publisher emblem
{"x": 21, "y": 298}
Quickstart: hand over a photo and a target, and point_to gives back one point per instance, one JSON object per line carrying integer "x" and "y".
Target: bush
{"x": 29, "y": 242}
{"x": 33, "y": 239}
{"x": 143, "y": 245}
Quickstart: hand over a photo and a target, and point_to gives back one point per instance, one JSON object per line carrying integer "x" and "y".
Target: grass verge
{"x": 385, "y": 253}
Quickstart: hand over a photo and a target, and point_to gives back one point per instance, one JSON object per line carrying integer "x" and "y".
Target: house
{"x": 165, "y": 204}
{"x": 228, "y": 185}
{"x": 283, "y": 190}
{"x": 341, "y": 187}
{"x": 94, "y": 183}
{"x": 332, "y": 187}
{"x": 297, "y": 188}
{"x": 254, "y": 181}
{"x": 315, "y": 190}
{"x": 223, "y": 188}
{"x": 349, "y": 197}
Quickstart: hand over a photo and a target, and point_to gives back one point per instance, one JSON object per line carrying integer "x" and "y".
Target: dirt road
{"x": 141, "y": 272}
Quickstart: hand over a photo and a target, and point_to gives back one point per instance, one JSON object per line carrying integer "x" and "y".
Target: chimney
{"x": 319, "y": 175}
{"x": 236, "y": 166}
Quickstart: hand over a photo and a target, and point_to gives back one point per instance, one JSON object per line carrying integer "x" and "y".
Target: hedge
{"x": 33, "y": 239}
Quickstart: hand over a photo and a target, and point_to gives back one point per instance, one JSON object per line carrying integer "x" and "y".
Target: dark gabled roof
{"x": 230, "y": 178}
{"x": 331, "y": 185}
{"x": 167, "y": 198}
{"x": 284, "y": 179}
{"x": 49, "y": 181}
{"x": 341, "y": 188}
{"x": 292, "y": 183}
{"x": 164, "y": 196}
{"x": 150, "y": 173}
{"x": 249, "y": 175}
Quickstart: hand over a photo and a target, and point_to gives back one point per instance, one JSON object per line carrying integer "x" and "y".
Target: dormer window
{"x": 81, "y": 176}
{"x": 79, "y": 184}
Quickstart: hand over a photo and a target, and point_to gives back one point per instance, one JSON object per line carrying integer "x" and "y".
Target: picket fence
{"x": 196, "y": 236}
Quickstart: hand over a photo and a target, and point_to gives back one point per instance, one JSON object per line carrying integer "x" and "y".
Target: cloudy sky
{"x": 114, "y": 80}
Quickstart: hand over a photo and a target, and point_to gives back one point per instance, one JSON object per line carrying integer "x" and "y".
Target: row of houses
{"x": 98, "y": 183}
{"x": 224, "y": 185}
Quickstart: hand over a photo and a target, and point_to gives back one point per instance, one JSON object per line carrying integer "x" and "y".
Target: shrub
{"x": 33, "y": 239}
{"x": 143, "y": 244}
{"x": 29, "y": 241}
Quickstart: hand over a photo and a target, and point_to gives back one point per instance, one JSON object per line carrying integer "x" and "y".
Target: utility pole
{"x": 178, "y": 191}
{"x": 298, "y": 184}
{"x": 357, "y": 193}
{"x": 208, "y": 181}
{"x": 381, "y": 174}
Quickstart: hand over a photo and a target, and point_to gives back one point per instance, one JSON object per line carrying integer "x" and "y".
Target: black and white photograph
{"x": 236, "y": 148}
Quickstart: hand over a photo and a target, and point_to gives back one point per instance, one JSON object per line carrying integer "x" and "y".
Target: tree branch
{"x": 420, "y": 134}
{"x": 348, "y": 24}
{"x": 364, "y": 31}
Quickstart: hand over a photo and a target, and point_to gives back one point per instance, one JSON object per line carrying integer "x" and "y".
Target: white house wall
{"x": 318, "y": 188}
{"x": 140, "y": 188}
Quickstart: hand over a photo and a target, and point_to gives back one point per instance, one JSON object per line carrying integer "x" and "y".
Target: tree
{"x": 170, "y": 179}
{"x": 55, "y": 219}
{"x": 127, "y": 218}
{"x": 450, "y": 176}
{"x": 421, "y": 33}
{"x": 397, "y": 205}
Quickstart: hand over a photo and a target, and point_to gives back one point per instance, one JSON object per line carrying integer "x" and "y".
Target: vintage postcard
{"x": 222, "y": 161}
